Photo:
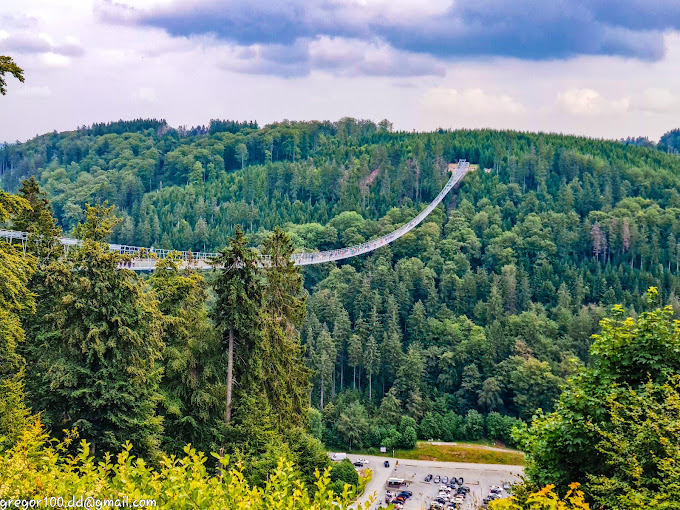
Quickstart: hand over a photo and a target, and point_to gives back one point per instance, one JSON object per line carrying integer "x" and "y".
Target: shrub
{"x": 474, "y": 425}
{"x": 38, "y": 467}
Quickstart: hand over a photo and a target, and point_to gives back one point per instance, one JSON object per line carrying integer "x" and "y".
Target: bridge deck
{"x": 144, "y": 259}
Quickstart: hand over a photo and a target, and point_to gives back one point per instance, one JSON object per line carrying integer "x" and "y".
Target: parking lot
{"x": 478, "y": 477}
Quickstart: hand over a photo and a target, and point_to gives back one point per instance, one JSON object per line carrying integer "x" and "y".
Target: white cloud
{"x": 470, "y": 101}
{"x": 354, "y": 57}
{"x": 585, "y": 101}
{"x": 30, "y": 42}
{"x": 31, "y": 91}
{"x": 55, "y": 60}
{"x": 657, "y": 100}
{"x": 147, "y": 94}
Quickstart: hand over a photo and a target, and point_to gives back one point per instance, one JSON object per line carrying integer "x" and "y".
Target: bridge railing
{"x": 145, "y": 258}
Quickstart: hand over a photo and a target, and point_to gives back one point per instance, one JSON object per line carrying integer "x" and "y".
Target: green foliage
{"x": 544, "y": 499}
{"x": 39, "y": 222}
{"x": 191, "y": 385}
{"x": 236, "y": 313}
{"x": 178, "y": 482}
{"x": 7, "y": 65}
{"x": 409, "y": 438}
{"x": 101, "y": 372}
{"x": 473, "y": 426}
{"x": 353, "y": 425}
{"x": 343, "y": 473}
{"x": 615, "y": 426}
{"x": 488, "y": 306}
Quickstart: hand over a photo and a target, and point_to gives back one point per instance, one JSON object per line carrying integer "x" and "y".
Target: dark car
{"x": 359, "y": 464}
{"x": 428, "y": 478}
{"x": 387, "y": 463}
{"x": 406, "y": 494}
{"x": 454, "y": 480}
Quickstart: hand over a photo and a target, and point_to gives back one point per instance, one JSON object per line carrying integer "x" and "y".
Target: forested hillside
{"x": 462, "y": 329}
{"x": 482, "y": 308}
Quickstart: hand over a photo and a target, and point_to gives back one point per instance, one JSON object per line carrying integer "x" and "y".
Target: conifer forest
{"x": 536, "y": 307}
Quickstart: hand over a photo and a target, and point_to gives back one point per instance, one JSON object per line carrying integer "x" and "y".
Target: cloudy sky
{"x": 603, "y": 68}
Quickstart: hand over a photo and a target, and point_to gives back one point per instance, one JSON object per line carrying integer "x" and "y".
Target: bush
{"x": 495, "y": 426}
{"x": 393, "y": 440}
{"x": 452, "y": 427}
{"x": 430, "y": 426}
{"x": 474, "y": 425}
{"x": 315, "y": 422}
{"x": 343, "y": 473}
{"x": 407, "y": 421}
{"x": 38, "y": 467}
{"x": 409, "y": 438}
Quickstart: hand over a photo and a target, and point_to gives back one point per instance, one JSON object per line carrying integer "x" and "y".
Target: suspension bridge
{"x": 144, "y": 259}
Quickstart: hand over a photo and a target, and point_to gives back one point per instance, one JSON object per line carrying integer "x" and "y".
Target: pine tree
{"x": 324, "y": 361}
{"x": 237, "y": 310}
{"x": 341, "y": 335}
{"x": 371, "y": 362}
{"x": 191, "y": 389}
{"x": 101, "y": 338}
{"x": 355, "y": 355}
{"x": 15, "y": 301}
{"x": 39, "y": 222}
{"x": 282, "y": 373}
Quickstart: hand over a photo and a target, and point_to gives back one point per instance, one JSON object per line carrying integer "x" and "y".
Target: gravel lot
{"x": 479, "y": 477}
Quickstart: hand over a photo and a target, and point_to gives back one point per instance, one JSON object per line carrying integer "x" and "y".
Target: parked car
{"x": 406, "y": 494}
{"x": 387, "y": 463}
{"x": 363, "y": 461}
{"x": 460, "y": 481}
{"x": 359, "y": 464}
{"x": 428, "y": 478}
{"x": 445, "y": 479}
{"x": 437, "y": 479}
{"x": 454, "y": 480}
{"x": 506, "y": 486}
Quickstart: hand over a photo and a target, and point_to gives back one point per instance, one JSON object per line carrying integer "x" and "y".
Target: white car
{"x": 495, "y": 489}
{"x": 363, "y": 461}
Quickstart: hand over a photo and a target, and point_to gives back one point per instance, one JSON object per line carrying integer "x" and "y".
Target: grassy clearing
{"x": 461, "y": 452}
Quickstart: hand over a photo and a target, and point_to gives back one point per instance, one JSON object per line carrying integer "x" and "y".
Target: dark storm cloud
{"x": 524, "y": 29}
{"x": 540, "y": 30}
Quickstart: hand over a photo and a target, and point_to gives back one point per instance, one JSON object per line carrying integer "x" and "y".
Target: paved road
{"x": 477, "y": 476}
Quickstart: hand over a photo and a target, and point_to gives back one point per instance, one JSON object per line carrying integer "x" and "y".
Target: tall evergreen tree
{"x": 39, "y": 222}
{"x": 15, "y": 302}
{"x": 371, "y": 362}
{"x": 101, "y": 342}
{"x": 238, "y": 307}
{"x": 282, "y": 372}
{"x": 191, "y": 388}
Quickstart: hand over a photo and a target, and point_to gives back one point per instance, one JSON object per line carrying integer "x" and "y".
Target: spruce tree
{"x": 15, "y": 301}
{"x": 101, "y": 341}
{"x": 283, "y": 374}
{"x": 39, "y": 222}
{"x": 237, "y": 311}
{"x": 191, "y": 389}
